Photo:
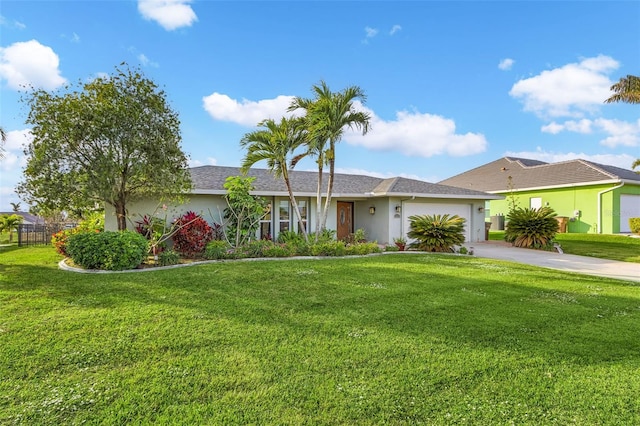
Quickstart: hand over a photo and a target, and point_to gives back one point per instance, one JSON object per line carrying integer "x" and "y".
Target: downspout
{"x": 600, "y": 204}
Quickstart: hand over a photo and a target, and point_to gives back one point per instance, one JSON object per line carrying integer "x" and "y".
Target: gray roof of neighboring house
{"x": 210, "y": 180}
{"x": 529, "y": 174}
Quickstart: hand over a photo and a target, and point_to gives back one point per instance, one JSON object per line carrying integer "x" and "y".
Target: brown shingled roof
{"x": 529, "y": 174}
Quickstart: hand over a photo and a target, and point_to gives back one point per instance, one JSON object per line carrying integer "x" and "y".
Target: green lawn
{"x": 615, "y": 247}
{"x": 390, "y": 339}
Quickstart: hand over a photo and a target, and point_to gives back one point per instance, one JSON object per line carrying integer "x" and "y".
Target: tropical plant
{"x": 627, "y": 89}
{"x": 326, "y": 117}
{"x": 436, "y": 233}
{"x": 634, "y": 224}
{"x": 10, "y": 223}
{"x": 3, "y": 140}
{"x": 244, "y": 211}
{"x": 531, "y": 228}
{"x": 192, "y": 235}
{"x": 274, "y": 143}
{"x": 113, "y": 140}
{"x": 15, "y": 207}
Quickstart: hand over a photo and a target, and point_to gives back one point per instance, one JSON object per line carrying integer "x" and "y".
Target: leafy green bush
{"x": 168, "y": 257}
{"x": 362, "y": 248}
{"x": 436, "y": 233}
{"x": 256, "y": 248}
{"x": 279, "y": 250}
{"x": 391, "y": 248}
{"x": 329, "y": 248}
{"x": 531, "y": 228}
{"x": 634, "y": 224}
{"x": 218, "y": 249}
{"x": 111, "y": 250}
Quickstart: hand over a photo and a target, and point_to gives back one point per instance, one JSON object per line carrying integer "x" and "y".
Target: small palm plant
{"x": 436, "y": 233}
{"x": 531, "y": 228}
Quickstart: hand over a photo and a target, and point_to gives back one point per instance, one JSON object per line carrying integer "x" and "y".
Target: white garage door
{"x": 629, "y": 207}
{"x": 462, "y": 210}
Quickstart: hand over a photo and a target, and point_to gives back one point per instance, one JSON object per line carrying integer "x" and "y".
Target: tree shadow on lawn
{"x": 492, "y": 304}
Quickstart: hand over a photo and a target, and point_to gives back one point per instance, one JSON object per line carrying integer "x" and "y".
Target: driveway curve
{"x": 563, "y": 262}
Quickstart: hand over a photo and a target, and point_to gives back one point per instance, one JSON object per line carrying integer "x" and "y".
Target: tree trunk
{"x": 121, "y": 215}
{"x": 319, "y": 198}
{"x": 294, "y": 203}
{"x": 327, "y": 202}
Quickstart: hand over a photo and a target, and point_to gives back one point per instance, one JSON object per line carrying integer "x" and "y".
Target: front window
{"x": 285, "y": 216}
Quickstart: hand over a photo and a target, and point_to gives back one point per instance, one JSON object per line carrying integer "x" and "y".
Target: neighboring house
{"x": 379, "y": 206}
{"x": 595, "y": 198}
{"x": 27, "y": 218}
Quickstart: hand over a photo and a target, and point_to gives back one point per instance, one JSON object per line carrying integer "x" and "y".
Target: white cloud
{"x": 583, "y": 126}
{"x": 170, "y": 14}
{"x": 30, "y": 63}
{"x": 619, "y": 160}
{"x": 417, "y": 134}
{"x": 14, "y": 158}
{"x": 411, "y": 133}
{"x": 370, "y": 32}
{"x": 568, "y": 91}
{"x": 146, "y": 62}
{"x": 247, "y": 113}
{"x": 617, "y": 132}
{"x": 395, "y": 29}
{"x": 506, "y": 64}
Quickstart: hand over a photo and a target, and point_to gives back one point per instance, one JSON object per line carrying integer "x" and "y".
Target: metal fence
{"x": 32, "y": 235}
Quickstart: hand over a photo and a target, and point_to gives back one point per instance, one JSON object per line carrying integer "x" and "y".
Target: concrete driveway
{"x": 564, "y": 262}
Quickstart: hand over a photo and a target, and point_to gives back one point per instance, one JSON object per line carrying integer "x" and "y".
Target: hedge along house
{"x": 594, "y": 198}
{"x": 379, "y": 206}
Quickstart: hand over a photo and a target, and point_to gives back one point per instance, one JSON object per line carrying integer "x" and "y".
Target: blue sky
{"x": 450, "y": 85}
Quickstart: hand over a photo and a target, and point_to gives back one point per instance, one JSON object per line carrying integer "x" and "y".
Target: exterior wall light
{"x": 480, "y": 209}
{"x": 372, "y": 210}
{"x": 398, "y": 209}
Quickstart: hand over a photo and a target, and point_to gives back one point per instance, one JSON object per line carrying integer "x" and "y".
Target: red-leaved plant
{"x": 192, "y": 235}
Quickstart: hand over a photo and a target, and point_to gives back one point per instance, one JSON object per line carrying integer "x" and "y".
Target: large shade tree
{"x": 627, "y": 90}
{"x": 113, "y": 140}
{"x": 327, "y": 116}
{"x": 276, "y": 143}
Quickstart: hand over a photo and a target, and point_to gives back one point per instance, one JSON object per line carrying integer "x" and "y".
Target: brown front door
{"x": 345, "y": 220}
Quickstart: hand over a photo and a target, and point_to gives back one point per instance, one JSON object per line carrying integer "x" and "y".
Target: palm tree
{"x": 3, "y": 139}
{"x": 10, "y": 223}
{"x": 274, "y": 143}
{"x": 626, "y": 90}
{"x": 326, "y": 118}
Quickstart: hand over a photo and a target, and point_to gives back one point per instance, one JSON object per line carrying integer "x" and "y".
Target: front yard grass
{"x": 614, "y": 247}
{"x": 390, "y": 339}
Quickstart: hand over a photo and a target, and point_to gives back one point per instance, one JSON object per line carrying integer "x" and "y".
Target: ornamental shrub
{"x": 328, "y": 248}
{"x": 362, "y": 248}
{"x": 93, "y": 223}
{"x": 168, "y": 257}
{"x": 217, "y": 249}
{"x": 192, "y": 235}
{"x": 111, "y": 250}
{"x": 531, "y": 228}
{"x": 634, "y": 224}
{"x": 436, "y": 233}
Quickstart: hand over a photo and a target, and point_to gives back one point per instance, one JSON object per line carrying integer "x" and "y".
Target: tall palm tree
{"x": 626, "y": 90}
{"x": 274, "y": 143}
{"x": 635, "y": 165}
{"x": 327, "y": 117}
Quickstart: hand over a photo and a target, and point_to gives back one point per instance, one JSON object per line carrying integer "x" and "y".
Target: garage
{"x": 629, "y": 207}
{"x": 462, "y": 210}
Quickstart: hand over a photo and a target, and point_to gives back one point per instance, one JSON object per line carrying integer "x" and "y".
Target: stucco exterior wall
{"x": 582, "y": 200}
